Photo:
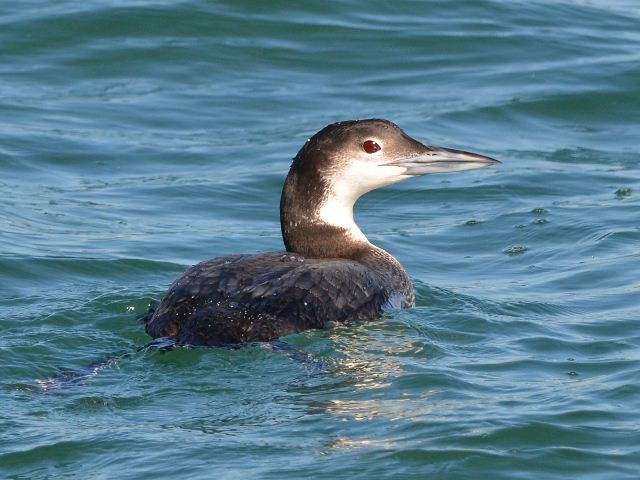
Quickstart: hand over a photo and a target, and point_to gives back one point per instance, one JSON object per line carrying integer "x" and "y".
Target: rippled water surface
{"x": 140, "y": 137}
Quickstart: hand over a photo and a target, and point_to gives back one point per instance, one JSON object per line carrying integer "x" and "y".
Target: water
{"x": 139, "y": 137}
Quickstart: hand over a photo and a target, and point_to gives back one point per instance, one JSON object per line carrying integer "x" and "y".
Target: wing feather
{"x": 253, "y": 291}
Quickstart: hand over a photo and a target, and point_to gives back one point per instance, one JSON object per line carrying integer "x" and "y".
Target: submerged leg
{"x": 70, "y": 377}
{"x": 311, "y": 366}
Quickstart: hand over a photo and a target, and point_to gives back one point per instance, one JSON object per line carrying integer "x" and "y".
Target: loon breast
{"x": 330, "y": 272}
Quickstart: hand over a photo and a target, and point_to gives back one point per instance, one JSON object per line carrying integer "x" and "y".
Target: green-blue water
{"x": 140, "y": 137}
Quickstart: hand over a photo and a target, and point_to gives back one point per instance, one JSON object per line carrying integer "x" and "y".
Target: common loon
{"x": 330, "y": 273}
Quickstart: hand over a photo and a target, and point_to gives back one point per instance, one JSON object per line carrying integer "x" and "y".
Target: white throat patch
{"x": 350, "y": 184}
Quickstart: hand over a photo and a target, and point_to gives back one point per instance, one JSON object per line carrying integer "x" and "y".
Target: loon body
{"x": 330, "y": 273}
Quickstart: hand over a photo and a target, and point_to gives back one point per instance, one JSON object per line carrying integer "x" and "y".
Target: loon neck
{"x": 317, "y": 219}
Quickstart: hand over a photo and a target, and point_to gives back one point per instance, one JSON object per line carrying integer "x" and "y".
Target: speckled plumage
{"x": 244, "y": 298}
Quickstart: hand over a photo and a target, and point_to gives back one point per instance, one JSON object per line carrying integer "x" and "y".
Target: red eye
{"x": 370, "y": 146}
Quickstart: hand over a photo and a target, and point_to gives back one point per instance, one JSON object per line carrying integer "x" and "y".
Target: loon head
{"x": 342, "y": 162}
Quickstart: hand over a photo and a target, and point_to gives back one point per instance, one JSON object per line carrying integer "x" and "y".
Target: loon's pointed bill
{"x": 442, "y": 160}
